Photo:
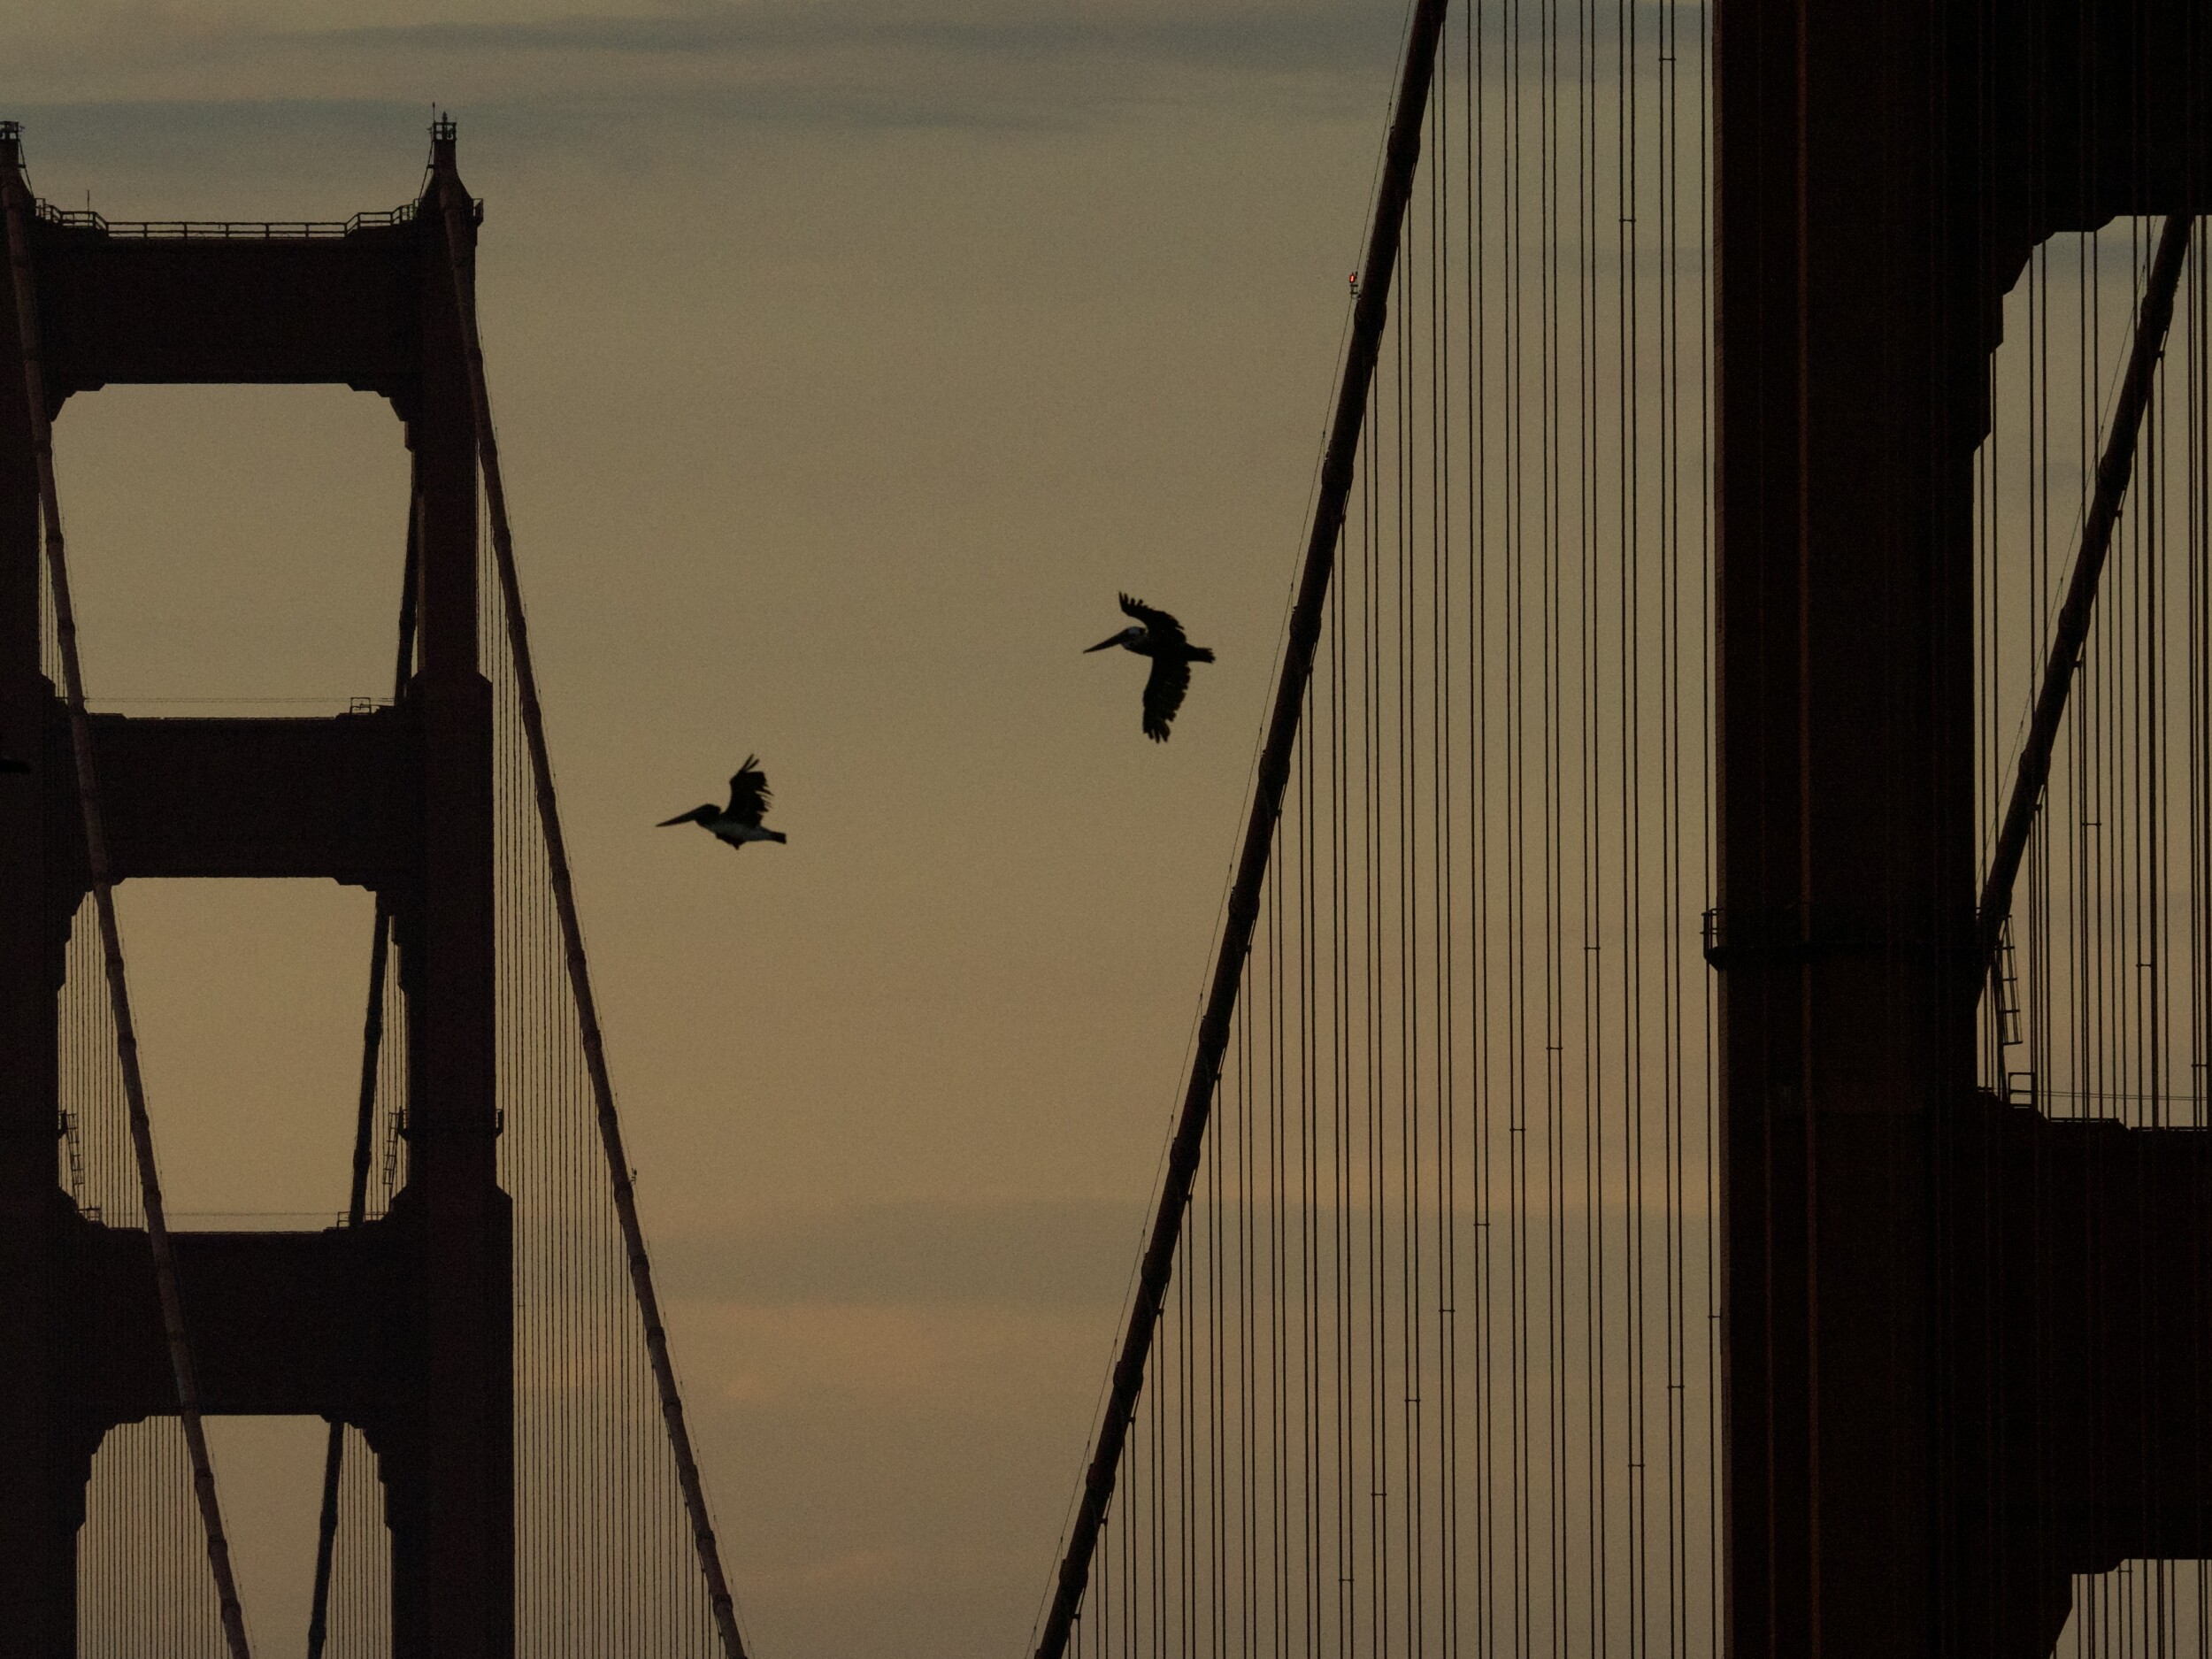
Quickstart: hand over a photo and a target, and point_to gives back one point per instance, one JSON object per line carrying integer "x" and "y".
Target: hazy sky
{"x": 849, "y": 357}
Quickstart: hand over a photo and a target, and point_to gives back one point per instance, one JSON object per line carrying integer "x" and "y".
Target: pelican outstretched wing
{"x": 1163, "y": 689}
{"x": 1165, "y": 630}
{"x": 749, "y": 793}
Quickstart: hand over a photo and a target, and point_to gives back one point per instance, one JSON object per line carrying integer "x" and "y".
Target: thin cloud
{"x": 1039, "y": 1253}
{"x": 1261, "y": 38}
{"x": 858, "y": 62}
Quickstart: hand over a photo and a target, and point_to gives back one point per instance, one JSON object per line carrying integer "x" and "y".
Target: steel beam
{"x": 228, "y": 310}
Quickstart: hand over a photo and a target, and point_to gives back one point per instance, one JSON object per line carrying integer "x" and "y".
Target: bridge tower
{"x": 400, "y": 1327}
{"x": 1964, "y": 1341}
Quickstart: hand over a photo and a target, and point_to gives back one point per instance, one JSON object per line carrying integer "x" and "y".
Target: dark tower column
{"x": 1847, "y": 879}
{"x": 40, "y": 1495}
{"x": 1896, "y": 1246}
{"x": 452, "y": 1490}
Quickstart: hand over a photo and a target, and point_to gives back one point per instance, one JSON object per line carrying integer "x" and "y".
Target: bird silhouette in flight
{"x": 1159, "y": 636}
{"x": 740, "y": 821}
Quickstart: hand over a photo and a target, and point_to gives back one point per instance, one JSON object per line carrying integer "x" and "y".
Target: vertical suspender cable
{"x": 572, "y": 942}
{"x": 12, "y": 183}
{"x": 2072, "y": 630}
{"x": 334, "y": 1449}
{"x": 364, "y": 1132}
{"x": 1368, "y": 317}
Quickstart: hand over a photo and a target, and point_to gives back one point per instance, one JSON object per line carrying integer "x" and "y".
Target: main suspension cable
{"x": 2114, "y": 470}
{"x": 364, "y": 1122}
{"x": 572, "y": 940}
{"x": 12, "y": 185}
{"x": 1368, "y": 317}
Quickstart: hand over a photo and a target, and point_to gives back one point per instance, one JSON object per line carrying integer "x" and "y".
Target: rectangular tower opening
{"x": 143, "y": 1584}
{"x": 237, "y": 543}
{"x": 250, "y": 998}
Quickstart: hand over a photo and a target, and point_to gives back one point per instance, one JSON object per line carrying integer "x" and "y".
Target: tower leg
{"x": 455, "y": 1494}
{"x": 37, "y": 1506}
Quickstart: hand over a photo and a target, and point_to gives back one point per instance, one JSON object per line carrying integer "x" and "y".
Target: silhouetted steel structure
{"x": 1966, "y": 1345}
{"x": 401, "y": 1326}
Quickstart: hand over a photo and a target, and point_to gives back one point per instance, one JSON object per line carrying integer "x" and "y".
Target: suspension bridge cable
{"x": 364, "y": 1127}
{"x": 455, "y": 211}
{"x": 179, "y": 1348}
{"x": 1268, "y": 790}
{"x": 334, "y": 1449}
{"x": 2113, "y": 473}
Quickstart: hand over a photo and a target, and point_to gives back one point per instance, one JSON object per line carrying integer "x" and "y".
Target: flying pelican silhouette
{"x": 1160, "y": 637}
{"x": 740, "y": 821}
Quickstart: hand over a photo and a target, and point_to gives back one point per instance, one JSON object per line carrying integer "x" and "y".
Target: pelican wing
{"x": 749, "y": 793}
{"x": 1161, "y": 629}
{"x": 1163, "y": 689}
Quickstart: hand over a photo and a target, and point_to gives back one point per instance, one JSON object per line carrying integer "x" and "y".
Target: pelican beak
{"x": 1102, "y": 645}
{"x": 691, "y": 817}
